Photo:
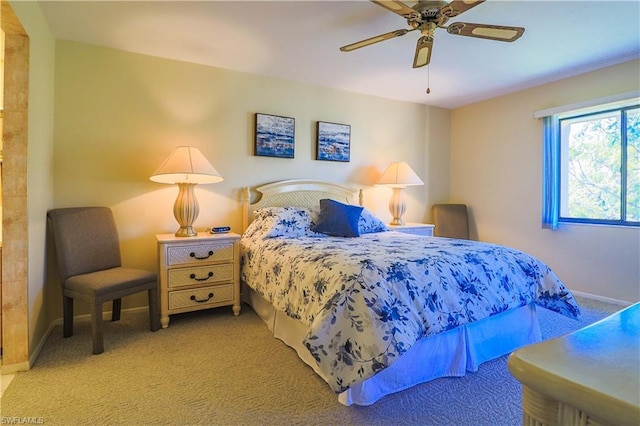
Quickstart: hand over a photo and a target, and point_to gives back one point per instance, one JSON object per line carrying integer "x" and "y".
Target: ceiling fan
{"x": 427, "y": 16}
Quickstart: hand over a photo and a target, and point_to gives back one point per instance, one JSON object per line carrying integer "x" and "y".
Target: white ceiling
{"x": 299, "y": 41}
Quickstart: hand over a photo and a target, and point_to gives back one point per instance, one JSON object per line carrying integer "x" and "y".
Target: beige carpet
{"x": 210, "y": 367}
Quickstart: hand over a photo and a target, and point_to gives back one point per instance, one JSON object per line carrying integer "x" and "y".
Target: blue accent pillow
{"x": 338, "y": 219}
{"x": 367, "y": 224}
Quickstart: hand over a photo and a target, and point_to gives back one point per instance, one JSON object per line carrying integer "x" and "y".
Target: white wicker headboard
{"x": 295, "y": 193}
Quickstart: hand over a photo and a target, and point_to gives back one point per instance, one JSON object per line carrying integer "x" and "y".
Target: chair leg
{"x": 96, "y": 328}
{"x": 154, "y": 309}
{"x": 115, "y": 310}
{"x": 67, "y": 316}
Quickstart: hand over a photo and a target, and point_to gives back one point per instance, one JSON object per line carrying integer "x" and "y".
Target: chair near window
{"x": 451, "y": 221}
{"x": 88, "y": 256}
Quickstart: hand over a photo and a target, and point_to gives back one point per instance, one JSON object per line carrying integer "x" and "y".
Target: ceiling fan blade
{"x": 376, "y": 39}
{"x": 397, "y": 7}
{"x": 423, "y": 51}
{"x": 491, "y": 32}
{"x": 456, "y": 7}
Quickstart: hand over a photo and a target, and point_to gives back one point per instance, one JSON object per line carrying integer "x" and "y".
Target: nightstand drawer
{"x": 200, "y": 296}
{"x": 200, "y": 275}
{"x": 427, "y": 232}
{"x": 198, "y": 272}
{"x": 199, "y": 253}
{"x": 424, "y": 229}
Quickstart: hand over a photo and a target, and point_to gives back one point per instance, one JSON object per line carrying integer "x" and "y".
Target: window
{"x": 592, "y": 166}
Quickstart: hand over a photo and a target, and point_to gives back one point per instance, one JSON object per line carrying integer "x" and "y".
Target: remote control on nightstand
{"x": 219, "y": 229}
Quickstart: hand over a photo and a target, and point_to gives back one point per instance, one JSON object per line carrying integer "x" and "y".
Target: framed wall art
{"x": 275, "y": 136}
{"x": 333, "y": 141}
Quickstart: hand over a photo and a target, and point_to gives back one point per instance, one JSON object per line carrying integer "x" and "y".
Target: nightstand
{"x": 199, "y": 272}
{"x": 425, "y": 229}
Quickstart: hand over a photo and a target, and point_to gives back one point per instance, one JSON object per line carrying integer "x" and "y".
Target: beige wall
{"x": 119, "y": 115}
{"x": 39, "y": 165}
{"x": 496, "y": 168}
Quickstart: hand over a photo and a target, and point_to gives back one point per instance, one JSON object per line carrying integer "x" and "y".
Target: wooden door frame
{"x": 15, "y": 215}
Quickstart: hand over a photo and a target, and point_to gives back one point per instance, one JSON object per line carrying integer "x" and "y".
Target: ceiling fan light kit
{"x": 427, "y": 16}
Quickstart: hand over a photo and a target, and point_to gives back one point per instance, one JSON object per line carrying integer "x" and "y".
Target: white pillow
{"x": 370, "y": 223}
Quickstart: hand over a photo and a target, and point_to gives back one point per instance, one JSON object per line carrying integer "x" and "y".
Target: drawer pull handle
{"x": 193, "y": 277}
{"x": 192, "y": 254}
{"x": 193, "y": 297}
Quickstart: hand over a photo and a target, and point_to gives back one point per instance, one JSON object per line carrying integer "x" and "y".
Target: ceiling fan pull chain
{"x": 428, "y": 84}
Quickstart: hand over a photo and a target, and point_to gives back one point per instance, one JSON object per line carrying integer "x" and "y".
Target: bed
{"x": 374, "y": 311}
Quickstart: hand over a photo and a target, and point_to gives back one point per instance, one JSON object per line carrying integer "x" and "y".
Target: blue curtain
{"x": 550, "y": 173}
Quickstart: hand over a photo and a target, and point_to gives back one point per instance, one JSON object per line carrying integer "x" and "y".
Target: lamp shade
{"x": 186, "y": 164}
{"x": 186, "y": 167}
{"x": 399, "y": 174}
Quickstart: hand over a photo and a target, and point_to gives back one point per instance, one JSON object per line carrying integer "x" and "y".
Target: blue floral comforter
{"x": 367, "y": 300}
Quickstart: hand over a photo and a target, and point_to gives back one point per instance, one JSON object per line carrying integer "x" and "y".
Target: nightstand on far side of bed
{"x": 198, "y": 272}
{"x": 425, "y": 229}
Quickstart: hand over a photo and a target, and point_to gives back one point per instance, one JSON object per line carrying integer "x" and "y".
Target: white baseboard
{"x": 622, "y": 303}
{"x": 24, "y": 366}
{"x": 36, "y": 351}
{"x": 14, "y": 368}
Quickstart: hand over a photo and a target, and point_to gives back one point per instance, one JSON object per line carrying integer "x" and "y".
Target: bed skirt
{"x": 449, "y": 354}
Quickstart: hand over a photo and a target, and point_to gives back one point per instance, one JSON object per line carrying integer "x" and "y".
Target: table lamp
{"x": 186, "y": 167}
{"x": 398, "y": 176}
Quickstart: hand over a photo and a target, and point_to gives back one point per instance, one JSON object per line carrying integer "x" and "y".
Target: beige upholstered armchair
{"x": 88, "y": 256}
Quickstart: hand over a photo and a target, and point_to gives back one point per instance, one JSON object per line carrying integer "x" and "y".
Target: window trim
{"x": 552, "y": 145}
{"x": 619, "y": 100}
